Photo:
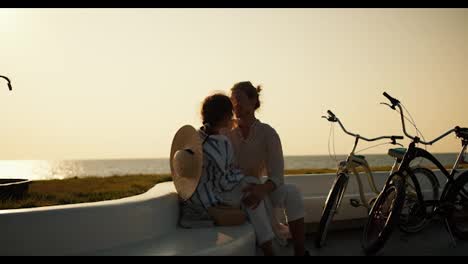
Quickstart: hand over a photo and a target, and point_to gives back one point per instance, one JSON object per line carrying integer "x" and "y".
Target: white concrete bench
{"x": 145, "y": 224}
{"x": 221, "y": 241}
{"x": 217, "y": 241}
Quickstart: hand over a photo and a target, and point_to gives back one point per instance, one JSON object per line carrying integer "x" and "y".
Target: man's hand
{"x": 255, "y": 193}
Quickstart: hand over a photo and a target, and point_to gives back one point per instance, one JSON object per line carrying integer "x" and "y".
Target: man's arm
{"x": 274, "y": 159}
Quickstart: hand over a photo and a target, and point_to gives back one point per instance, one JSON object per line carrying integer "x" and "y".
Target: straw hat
{"x": 186, "y": 161}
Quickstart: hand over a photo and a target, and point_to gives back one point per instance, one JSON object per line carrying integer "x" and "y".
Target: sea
{"x": 62, "y": 169}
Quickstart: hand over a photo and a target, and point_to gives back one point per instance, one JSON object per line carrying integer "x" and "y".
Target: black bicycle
{"x": 350, "y": 167}
{"x": 393, "y": 207}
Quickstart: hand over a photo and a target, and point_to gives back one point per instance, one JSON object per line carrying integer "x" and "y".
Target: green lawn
{"x": 81, "y": 190}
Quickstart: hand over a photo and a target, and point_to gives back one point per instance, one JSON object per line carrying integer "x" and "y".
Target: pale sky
{"x": 118, "y": 83}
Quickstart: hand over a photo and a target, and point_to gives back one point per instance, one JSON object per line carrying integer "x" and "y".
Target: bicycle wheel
{"x": 457, "y": 215}
{"x": 384, "y": 215}
{"x": 414, "y": 215}
{"x": 331, "y": 205}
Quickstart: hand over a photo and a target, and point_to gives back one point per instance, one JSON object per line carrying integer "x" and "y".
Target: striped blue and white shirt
{"x": 219, "y": 174}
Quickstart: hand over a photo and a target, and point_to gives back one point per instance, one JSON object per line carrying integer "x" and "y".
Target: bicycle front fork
{"x": 441, "y": 209}
{"x": 449, "y": 231}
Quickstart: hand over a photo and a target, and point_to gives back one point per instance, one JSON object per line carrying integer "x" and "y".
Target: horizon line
{"x": 156, "y": 158}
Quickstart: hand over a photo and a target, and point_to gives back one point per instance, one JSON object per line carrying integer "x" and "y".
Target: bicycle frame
{"x": 414, "y": 152}
{"x": 353, "y": 162}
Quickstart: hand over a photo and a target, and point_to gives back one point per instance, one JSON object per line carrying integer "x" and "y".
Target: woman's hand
{"x": 255, "y": 193}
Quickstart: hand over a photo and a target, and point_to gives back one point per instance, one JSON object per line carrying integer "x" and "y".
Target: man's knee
{"x": 286, "y": 194}
{"x": 291, "y": 190}
{"x": 292, "y": 195}
{"x": 294, "y": 203}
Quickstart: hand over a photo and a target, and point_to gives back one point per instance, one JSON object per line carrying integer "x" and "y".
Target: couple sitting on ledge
{"x": 218, "y": 170}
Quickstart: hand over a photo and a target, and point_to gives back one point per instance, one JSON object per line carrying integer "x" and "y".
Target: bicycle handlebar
{"x": 332, "y": 118}
{"x": 392, "y": 100}
{"x": 396, "y": 103}
{"x": 9, "y": 82}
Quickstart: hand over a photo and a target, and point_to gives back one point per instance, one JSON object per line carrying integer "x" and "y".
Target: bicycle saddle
{"x": 397, "y": 153}
{"x": 360, "y": 157}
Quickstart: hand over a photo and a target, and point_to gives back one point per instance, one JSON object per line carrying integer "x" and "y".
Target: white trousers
{"x": 289, "y": 199}
{"x": 283, "y": 205}
{"x": 258, "y": 217}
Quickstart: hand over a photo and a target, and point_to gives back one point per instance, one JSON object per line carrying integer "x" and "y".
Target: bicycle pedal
{"x": 355, "y": 203}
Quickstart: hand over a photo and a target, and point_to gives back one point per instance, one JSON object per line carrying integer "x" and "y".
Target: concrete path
{"x": 432, "y": 241}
